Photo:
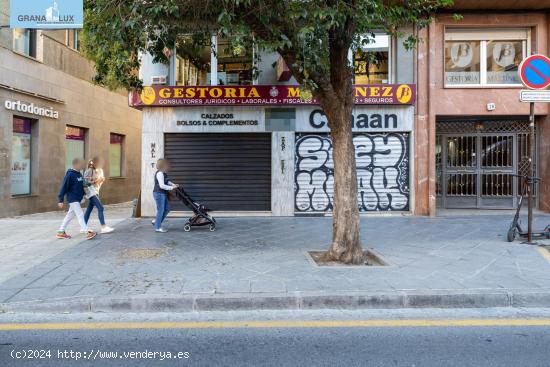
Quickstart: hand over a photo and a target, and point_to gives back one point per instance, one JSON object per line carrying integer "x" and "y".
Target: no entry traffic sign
{"x": 534, "y": 72}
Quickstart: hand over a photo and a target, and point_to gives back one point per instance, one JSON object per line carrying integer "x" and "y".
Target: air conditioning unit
{"x": 159, "y": 80}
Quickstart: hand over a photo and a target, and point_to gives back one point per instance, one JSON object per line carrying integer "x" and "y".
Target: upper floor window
{"x": 73, "y": 40}
{"x": 234, "y": 64}
{"x": 192, "y": 62}
{"x": 24, "y": 41}
{"x": 372, "y": 60}
{"x": 488, "y": 57}
{"x": 216, "y": 62}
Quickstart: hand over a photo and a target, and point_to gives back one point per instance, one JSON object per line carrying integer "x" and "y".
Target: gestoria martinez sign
{"x": 262, "y": 95}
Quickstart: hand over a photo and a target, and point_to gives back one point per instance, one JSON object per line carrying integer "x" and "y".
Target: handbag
{"x": 92, "y": 191}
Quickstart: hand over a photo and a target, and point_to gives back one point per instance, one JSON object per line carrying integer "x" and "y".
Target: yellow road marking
{"x": 275, "y": 324}
{"x": 545, "y": 253}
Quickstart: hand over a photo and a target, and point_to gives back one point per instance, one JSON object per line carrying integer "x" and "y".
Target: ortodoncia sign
{"x": 46, "y": 14}
{"x": 534, "y": 72}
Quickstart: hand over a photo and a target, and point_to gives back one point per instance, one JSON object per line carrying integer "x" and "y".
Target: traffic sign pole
{"x": 534, "y": 72}
{"x": 531, "y": 184}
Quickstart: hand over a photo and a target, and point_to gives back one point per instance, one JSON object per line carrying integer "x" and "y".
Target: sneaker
{"x": 107, "y": 229}
{"x": 90, "y": 235}
{"x": 62, "y": 235}
{"x": 153, "y": 222}
{"x": 161, "y": 230}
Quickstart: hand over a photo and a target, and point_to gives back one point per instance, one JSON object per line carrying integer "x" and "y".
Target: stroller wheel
{"x": 212, "y": 227}
{"x": 187, "y": 227}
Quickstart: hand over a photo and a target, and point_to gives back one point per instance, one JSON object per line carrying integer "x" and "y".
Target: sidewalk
{"x": 28, "y": 240}
{"x": 261, "y": 263}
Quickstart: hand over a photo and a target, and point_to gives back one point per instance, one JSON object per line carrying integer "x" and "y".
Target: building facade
{"x": 456, "y": 144}
{"x": 245, "y": 145}
{"x": 472, "y": 129}
{"x": 50, "y": 113}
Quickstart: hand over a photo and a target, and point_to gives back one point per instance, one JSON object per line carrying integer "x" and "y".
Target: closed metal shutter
{"x": 382, "y": 172}
{"x": 222, "y": 171}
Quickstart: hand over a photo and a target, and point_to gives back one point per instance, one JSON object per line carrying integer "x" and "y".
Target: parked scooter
{"x": 516, "y": 229}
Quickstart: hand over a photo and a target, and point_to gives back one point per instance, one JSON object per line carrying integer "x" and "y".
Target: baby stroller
{"x": 200, "y": 217}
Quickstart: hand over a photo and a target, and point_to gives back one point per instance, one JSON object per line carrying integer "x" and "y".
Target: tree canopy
{"x": 314, "y": 37}
{"x": 117, "y": 32}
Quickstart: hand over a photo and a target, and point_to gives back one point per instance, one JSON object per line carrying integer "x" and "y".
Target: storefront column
{"x": 153, "y": 149}
{"x": 282, "y": 173}
{"x": 214, "y": 61}
{"x": 424, "y": 124}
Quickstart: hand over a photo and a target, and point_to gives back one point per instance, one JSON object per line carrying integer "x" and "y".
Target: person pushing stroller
{"x": 160, "y": 193}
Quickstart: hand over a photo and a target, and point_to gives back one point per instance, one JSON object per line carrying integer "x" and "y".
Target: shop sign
{"x": 47, "y": 14}
{"x": 31, "y": 108}
{"x": 363, "y": 119}
{"x": 218, "y": 120}
{"x": 534, "y": 96}
{"x": 215, "y": 119}
{"x": 262, "y": 95}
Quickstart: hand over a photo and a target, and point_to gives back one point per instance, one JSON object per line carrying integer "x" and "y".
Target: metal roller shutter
{"x": 382, "y": 172}
{"x": 223, "y": 171}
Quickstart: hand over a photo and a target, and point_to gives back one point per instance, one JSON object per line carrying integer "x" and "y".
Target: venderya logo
{"x": 46, "y": 14}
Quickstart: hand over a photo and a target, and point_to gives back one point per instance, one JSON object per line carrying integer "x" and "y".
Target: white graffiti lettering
{"x": 382, "y": 172}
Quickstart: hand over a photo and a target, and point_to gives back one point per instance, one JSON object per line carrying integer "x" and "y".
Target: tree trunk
{"x": 346, "y": 243}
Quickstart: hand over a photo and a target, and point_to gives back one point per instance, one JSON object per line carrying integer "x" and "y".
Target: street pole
{"x": 531, "y": 181}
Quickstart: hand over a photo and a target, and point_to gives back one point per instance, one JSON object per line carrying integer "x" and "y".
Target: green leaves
{"x": 306, "y": 33}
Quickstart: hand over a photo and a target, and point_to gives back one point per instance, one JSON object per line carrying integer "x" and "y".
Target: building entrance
{"x": 476, "y": 162}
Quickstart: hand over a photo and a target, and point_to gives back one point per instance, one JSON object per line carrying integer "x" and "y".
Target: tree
{"x": 313, "y": 37}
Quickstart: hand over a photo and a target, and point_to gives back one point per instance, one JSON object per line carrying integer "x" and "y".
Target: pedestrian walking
{"x": 73, "y": 189}
{"x": 95, "y": 178}
{"x": 160, "y": 193}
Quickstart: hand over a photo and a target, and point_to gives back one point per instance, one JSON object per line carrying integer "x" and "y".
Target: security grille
{"x": 476, "y": 161}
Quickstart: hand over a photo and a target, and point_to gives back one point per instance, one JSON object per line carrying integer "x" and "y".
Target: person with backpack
{"x": 95, "y": 178}
{"x": 73, "y": 189}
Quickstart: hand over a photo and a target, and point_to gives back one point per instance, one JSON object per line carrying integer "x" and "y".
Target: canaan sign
{"x": 262, "y": 95}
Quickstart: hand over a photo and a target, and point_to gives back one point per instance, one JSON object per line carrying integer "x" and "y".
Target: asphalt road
{"x": 283, "y": 343}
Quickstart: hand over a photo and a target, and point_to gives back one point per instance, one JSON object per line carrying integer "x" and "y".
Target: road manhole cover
{"x": 370, "y": 258}
{"x": 142, "y": 253}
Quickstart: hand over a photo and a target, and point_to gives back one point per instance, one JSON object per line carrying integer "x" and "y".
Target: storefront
{"x": 477, "y": 162}
{"x": 263, "y": 149}
{"x": 476, "y": 128}
{"x": 42, "y": 137}
{"x": 51, "y": 113}
{"x": 382, "y": 149}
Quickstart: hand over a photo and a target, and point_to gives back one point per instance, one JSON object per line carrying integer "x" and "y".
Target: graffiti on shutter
{"x": 382, "y": 172}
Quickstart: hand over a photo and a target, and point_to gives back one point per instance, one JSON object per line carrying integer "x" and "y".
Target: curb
{"x": 287, "y": 301}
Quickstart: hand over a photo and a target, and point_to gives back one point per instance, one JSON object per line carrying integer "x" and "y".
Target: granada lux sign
{"x": 46, "y": 14}
{"x": 31, "y": 108}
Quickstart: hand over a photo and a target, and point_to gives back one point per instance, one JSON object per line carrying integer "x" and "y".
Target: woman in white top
{"x": 95, "y": 178}
{"x": 160, "y": 193}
